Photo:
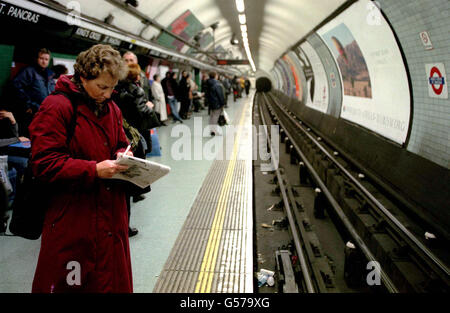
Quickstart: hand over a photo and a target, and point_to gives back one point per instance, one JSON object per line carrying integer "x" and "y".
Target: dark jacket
{"x": 174, "y": 86}
{"x": 183, "y": 89}
{"x": 32, "y": 85}
{"x": 214, "y": 94}
{"x": 132, "y": 100}
{"x": 86, "y": 219}
{"x": 145, "y": 84}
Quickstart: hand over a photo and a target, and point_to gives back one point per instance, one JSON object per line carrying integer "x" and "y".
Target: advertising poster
{"x": 285, "y": 76}
{"x": 351, "y": 62}
{"x": 308, "y": 74}
{"x": 296, "y": 86}
{"x": 376, "y": 92}
{"x": 317, "y": 82}
{"x": 186, "y": 26}
{"x": 295, "y": 63}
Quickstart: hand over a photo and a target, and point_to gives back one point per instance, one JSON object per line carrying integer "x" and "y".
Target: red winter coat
{"x": 87, "y": 220}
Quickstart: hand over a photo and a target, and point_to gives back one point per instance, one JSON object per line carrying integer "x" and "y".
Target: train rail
{"x": 314, "y": 267}
{"x": 374, "y": 224}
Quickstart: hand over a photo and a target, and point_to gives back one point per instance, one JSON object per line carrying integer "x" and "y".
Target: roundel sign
{"x": 437, "y": 81}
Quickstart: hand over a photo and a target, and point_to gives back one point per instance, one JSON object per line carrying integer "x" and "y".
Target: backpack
{"x": 30, "y": 205}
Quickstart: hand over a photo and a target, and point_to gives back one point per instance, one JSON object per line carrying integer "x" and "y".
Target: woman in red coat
{"x": 84, "y": 245}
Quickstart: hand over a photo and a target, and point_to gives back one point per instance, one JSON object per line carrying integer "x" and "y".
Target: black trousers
{"x": 184, "y": 108}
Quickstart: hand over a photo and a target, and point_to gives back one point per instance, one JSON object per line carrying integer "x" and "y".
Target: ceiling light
{"x": 240, "y": 6}
{"x": 243, "y": 28}
{"x": 242, "y": 19}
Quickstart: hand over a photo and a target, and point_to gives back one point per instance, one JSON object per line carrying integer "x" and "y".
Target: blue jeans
{"x": 12, "y": 176}
{"x": 17, "y": 166}
{"x": 19, "y": 163}
{"x": 173, "y": 108}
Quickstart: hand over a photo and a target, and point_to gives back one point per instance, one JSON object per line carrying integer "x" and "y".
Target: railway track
{"x": 377, "y": 230}
{"x": 314, "y": 266}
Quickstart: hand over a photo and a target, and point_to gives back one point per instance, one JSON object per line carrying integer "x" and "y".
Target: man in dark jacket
{"x": 216, "y": 101}
{"x": 170, "y": 88}
{"x": 31, "y": 86}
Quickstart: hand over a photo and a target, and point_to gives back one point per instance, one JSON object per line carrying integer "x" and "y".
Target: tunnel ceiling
{"x": 273, "y": 25}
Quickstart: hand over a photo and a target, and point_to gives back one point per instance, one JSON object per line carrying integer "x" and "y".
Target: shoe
{"x": 132, "y": 232}
{"x": 163, "y": 124}
{"x": 138, "y": 198}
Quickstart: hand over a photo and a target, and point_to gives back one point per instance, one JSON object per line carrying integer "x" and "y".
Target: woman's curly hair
{"x": 100, "y": 59}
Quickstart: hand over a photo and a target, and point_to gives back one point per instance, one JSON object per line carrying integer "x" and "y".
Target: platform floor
{"x": 159, "y": 218}
{"x": 214, "y": 250}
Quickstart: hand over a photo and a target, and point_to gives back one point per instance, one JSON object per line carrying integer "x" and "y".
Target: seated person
{"x": 17, "y": 160}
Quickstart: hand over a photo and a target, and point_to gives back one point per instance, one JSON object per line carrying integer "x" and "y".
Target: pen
{"x": 128, "y": 148}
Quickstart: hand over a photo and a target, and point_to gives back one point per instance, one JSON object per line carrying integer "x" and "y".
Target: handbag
{"x": 148, "y": 122}
{"x": 31, "y": 202}
{"x": 153, "y": 120}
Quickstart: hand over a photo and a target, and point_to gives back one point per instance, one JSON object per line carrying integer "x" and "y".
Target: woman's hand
{"x": 130, "y": 153}
{"x": 150, "y": 104}
{"x": 9, "y": 115}
{"x": 108, "y": 168}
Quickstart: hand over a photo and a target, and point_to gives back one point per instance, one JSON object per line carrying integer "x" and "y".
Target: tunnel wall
{"x": 430, "y": 129}
{"x": 429, "y": 123}
{"x": 419, "y": 167}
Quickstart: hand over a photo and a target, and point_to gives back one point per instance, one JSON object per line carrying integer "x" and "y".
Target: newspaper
{"x": 141, "y": 172}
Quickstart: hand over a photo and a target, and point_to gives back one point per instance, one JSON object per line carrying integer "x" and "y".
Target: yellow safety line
{"x": 205, "y": 277}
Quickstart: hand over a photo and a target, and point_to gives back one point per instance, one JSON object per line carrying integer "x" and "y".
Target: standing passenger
{"x": 138, "y": 113}
{"x": 170, "y": 88}
{"x": 184, "y": 89}
{"x": 247, "y": 86}
{"x": 159, "y": 99}
{"x": 32, "y": 85}
{"x": 131, "y": 58}
{"x": 84, "y": 245}
{"x": 216, "y": 101}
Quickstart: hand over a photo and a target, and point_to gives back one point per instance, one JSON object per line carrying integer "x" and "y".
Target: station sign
{"x": 437, "y": 80}
{"x": 233, "y": 62}
{"x": 97, "y": 37}
{"x": 18, "y": 13}
{"x": 24, "y": 20}
{"x": 87, "y": 34}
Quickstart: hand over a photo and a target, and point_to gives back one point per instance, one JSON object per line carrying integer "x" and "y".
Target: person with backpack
{"x": 84, "y": 243}
{"x": 138, "y": 113}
